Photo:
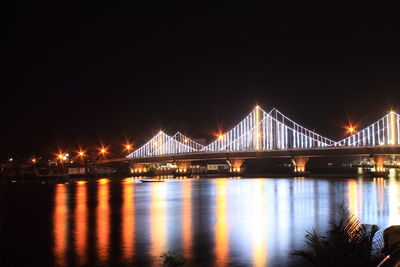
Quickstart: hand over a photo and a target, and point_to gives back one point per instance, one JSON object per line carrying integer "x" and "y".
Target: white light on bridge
{"x": 272, "y": 131}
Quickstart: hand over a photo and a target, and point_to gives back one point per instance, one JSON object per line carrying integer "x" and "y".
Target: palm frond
{"x": 347, "y": 243}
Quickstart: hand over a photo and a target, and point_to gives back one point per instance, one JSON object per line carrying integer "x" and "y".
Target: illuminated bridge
{"x": 270, "y": 134}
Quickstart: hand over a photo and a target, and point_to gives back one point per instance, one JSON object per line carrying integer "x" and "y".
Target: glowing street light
{"x": 103, "y": 151}
{"x": 128, "y": 147}
{"x": 62, "y": 157}
{"x": 33, "y": 161}
{"x": 81, "y": 154}
{"x": 220, "y": 137}
{"x": 351, "y": 129}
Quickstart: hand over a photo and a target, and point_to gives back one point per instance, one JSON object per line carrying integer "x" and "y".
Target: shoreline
{"x": 204, "y": 176}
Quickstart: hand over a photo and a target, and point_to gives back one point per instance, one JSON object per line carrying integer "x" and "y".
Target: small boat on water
{"x": 150, "y": 180}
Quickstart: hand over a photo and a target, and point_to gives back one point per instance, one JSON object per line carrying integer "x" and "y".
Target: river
{"x": 209, "y": 222}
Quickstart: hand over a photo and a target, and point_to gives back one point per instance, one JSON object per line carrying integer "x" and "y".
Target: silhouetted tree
{"x": 347, "y": 243}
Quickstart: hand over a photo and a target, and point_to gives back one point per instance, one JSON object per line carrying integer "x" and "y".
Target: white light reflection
{"x": 158, "y": 220}
{"x": 221, "y": 226}
{"x": 394, "y": 195}
{"x": 258, "y": 225}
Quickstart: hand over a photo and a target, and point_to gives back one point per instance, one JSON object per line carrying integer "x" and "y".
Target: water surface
{"x": 218, "y": 222}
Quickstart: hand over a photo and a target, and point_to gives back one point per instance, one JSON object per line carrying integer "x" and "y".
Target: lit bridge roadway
{"x": 269, "y": 135}
{"x": 223, "y": 155}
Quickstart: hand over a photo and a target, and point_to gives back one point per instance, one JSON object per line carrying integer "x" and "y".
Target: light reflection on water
{"x": 103, "y": 220}
{"x": 60, "y": 219}
{"x": 128, "y": 221}
{"x": 158, "y": 219}
{"x": 219, "y": 221}
{"x": 187, "y": 227}
{"x": 221, "y": 229}
{"x": 258, "y": 231}
{"x": 81, "y": 223}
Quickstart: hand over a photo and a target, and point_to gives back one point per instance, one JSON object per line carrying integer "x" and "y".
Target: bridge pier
{"x": 183, "y": 167}
{"x": 138, "y": 168}
{"x": 379, "y": 165}
{"x": 235, "y": 165}
{"x": 300, "y": 163}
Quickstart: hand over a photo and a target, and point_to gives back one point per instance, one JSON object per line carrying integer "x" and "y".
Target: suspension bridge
{"x": 270, "y": 134}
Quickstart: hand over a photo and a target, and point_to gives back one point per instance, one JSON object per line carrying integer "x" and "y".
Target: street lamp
{"x": 351, "y": 129}
{"x": 81, "y": 155}
{"x": 128, "y": 148}
{"x": 103, "y": 151}
{"x": 62, "y": 157}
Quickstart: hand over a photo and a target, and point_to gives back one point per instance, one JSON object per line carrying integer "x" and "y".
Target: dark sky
{"x": 78, "y": 73}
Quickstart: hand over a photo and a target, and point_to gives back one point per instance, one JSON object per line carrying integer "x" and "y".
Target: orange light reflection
{"x": 187, "y": 234}
{"x": 103, "y": 220}
{"x": 81, "y": 217}
{"x": 221, "y": 227}
{"x": 352, "y": 196}
{"x": 60, "y": 224}
{"x": 128, "y": 221}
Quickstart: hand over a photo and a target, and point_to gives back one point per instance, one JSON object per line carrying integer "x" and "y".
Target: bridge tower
{"x": 393, "y": 123}
{"x": 258, "y": 129}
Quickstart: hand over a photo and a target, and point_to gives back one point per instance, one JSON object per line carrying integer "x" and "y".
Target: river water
{"x": 209, "y": 222}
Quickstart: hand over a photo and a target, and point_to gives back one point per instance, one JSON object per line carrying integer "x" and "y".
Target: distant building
{"x": 217, "y": 168}
{"x": 100, "y": 170}
{"x": 76, "y": 171}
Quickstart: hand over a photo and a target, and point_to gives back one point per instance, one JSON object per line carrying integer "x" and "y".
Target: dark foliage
{"x": 347, "y": 243}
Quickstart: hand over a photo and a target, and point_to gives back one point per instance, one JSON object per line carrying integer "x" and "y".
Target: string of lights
{"x": 163, "y": 144}
{"x": 260, "y": 130}
{"x": 383, "y": 132}
{"x": 180, "y": 138}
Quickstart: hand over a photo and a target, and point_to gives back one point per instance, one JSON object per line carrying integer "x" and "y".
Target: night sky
{"x": 85, "y": 72}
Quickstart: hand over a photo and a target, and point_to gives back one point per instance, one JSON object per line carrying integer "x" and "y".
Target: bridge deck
{"x": 251, "y": 154}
